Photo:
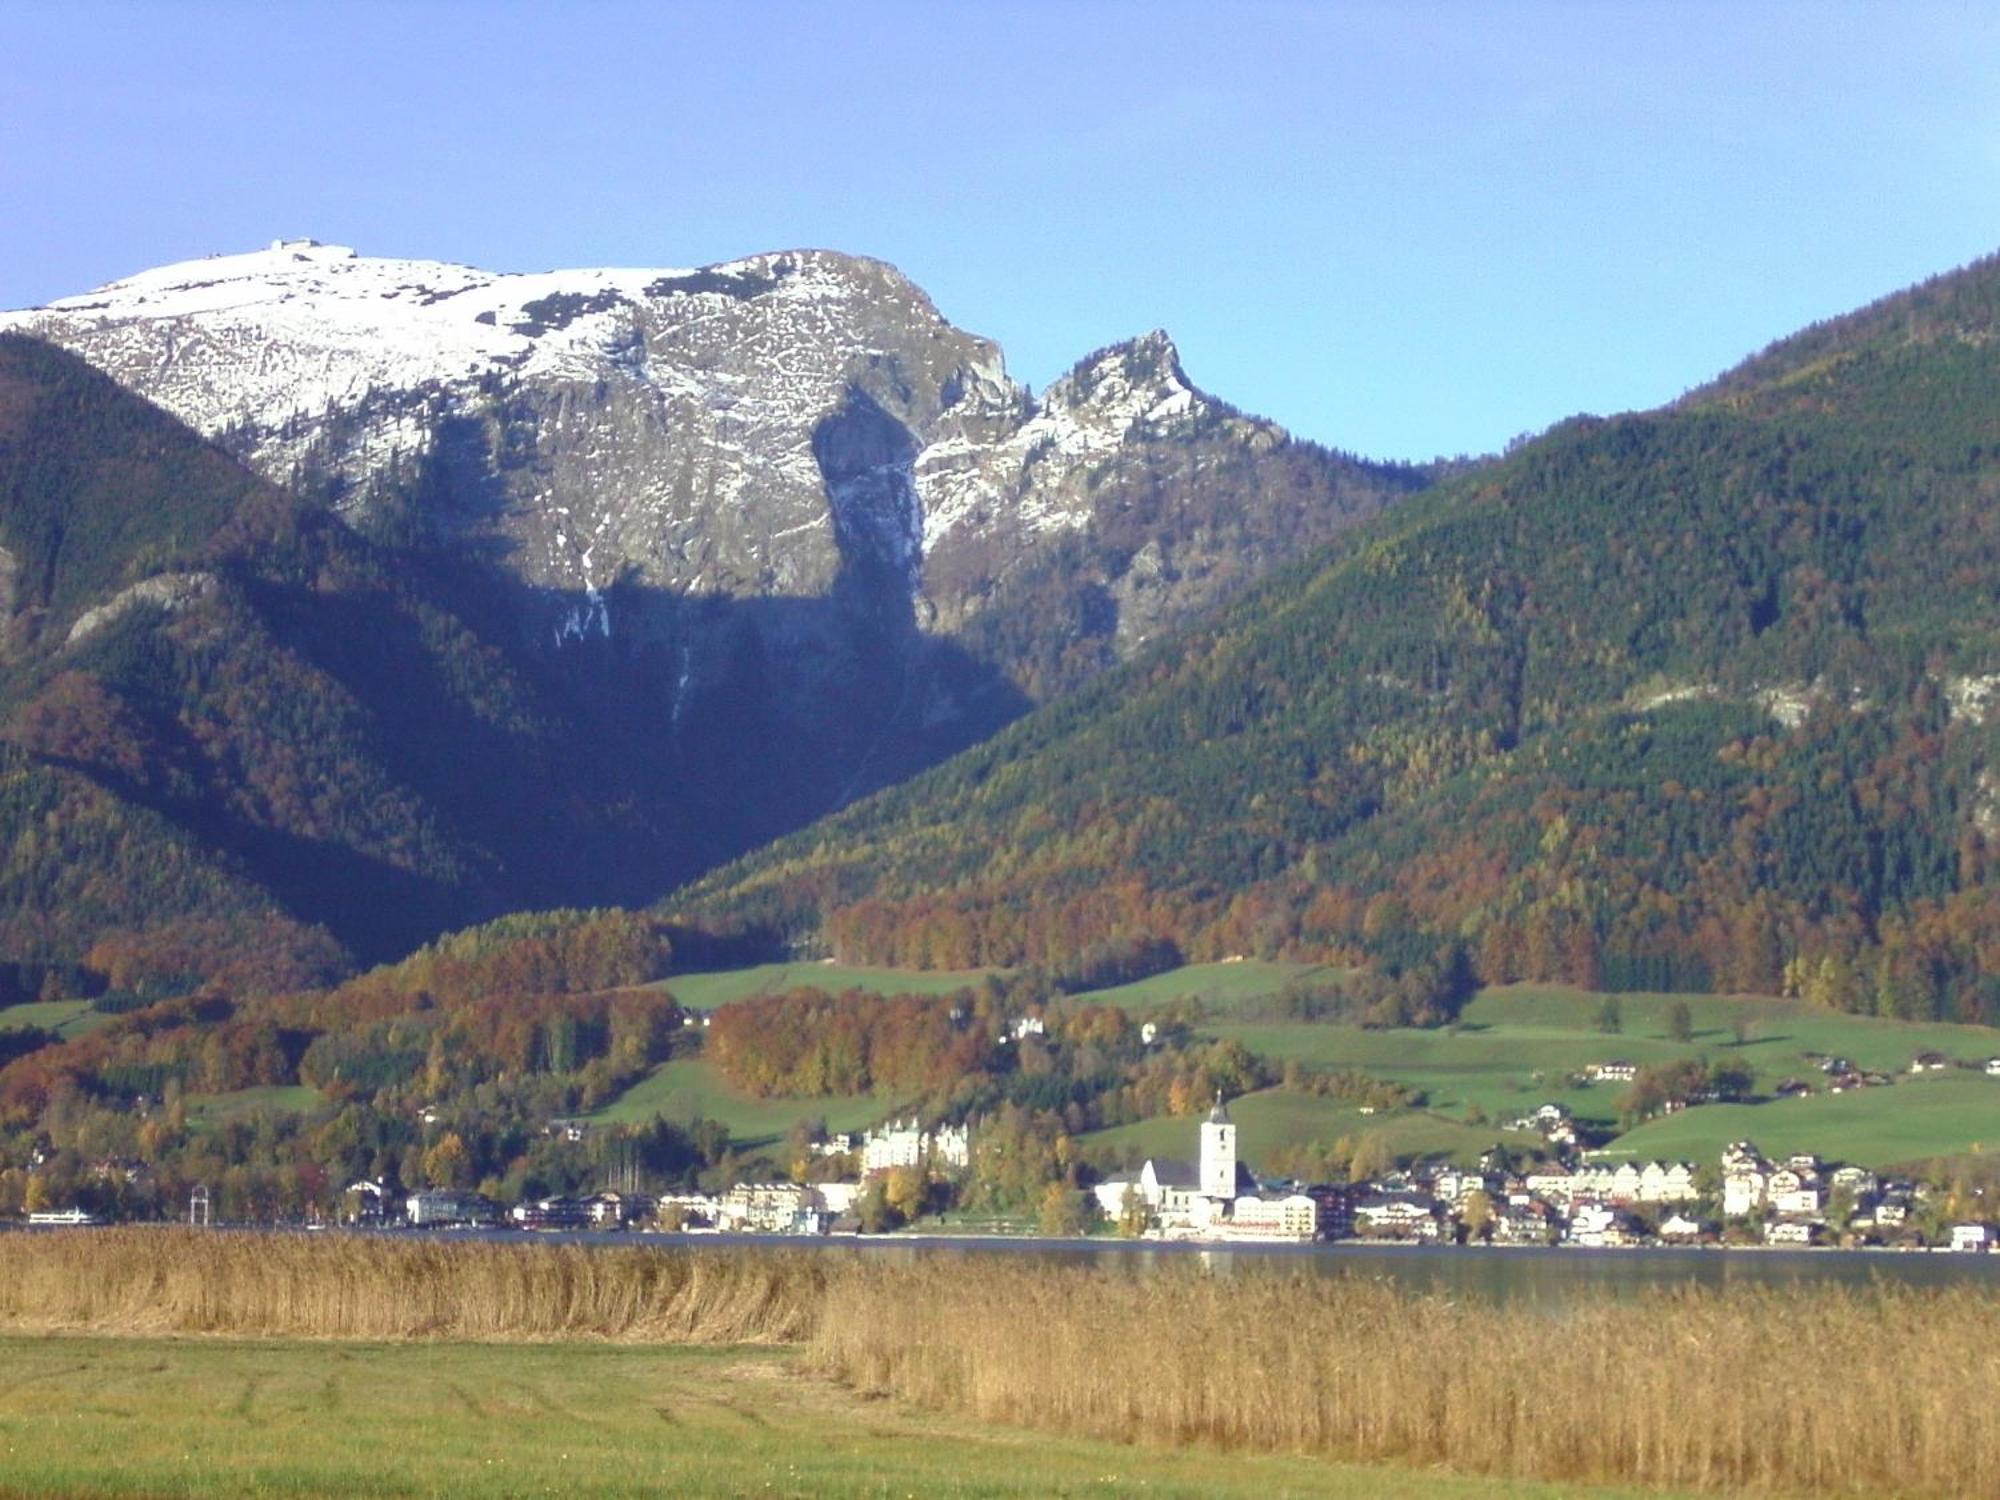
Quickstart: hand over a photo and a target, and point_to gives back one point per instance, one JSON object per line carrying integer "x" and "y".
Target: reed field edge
{"x": 1811, "y": 1388}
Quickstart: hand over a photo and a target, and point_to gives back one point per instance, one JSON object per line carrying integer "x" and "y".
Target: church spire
{"x": 1220, "y": 1114}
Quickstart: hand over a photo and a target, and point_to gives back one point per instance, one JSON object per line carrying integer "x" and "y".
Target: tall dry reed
{"x": 1813, "y": 1388}
{"x": 159, "y": 1281}
{"x": 1821, "y": 1389}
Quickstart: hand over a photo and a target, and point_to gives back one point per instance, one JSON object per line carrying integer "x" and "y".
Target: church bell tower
{"x": 1218, "y": 1153}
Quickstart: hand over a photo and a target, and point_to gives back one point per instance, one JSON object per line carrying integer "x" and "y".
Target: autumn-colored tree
{"x": 1063, "y": 1212}
{"x": 1476, "y": 1214}
{"x": 447, "y": 1164}
{"x": 1371, "y": 1159}
{"x": 905, "y": 1190}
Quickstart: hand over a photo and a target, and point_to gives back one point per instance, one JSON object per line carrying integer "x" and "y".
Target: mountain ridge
{"x": 1625, "y": 703}
{"x": 790, "y": 423}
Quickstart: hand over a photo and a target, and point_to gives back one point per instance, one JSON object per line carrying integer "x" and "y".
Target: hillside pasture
{"x": 1781, "y": 1032}
{"x": 1515, "y": 1047}
{"x": 707, "y": 990}
{"x": 1215, "y": 985}
{"x": 68, "y": 1019}
{"x": 1878, "y": 1127}
{"x": 691, "y": 1087}
{"x": 281, "y": 1099}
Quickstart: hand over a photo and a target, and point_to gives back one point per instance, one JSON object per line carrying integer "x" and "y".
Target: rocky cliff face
{"x": 728, "y": 430}
{"x": 785, "y": 483}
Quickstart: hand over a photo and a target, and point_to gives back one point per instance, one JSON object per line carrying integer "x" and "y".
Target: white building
{"x": 837, "y": 1198}
{"x": 768, "y": 1208}
{"x": 1115, "y": 1194}
{"x": 687, "y": 1209}
{"x": 1680, "y": 1229}
{"x": 1667, "y": 1182}
{"x": 440, "y": 1206}
{"x": 1601, "y": 1227}
{"x": 1553, "y": 1184}
{"x": 1454, "y": 1185}
{"x": 1292, "y": 1217}
{"x": 905, "y": 1143}
{"x": 1746, "y": 1178}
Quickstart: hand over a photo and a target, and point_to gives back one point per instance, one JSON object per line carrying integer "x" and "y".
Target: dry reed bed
{"x": 176, "y": 1281}
{"x": 1820, "y": 1389}
{"x": 1877, "y": 1390}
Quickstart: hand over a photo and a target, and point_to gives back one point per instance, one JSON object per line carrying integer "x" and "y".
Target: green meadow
{"x": 689, "y": 1087}
{"x": 1216, "y": 984}
{"x": 1942, "y": 1116}
{"x": 283, "y": 1099}
{"x": 103, "y": 1417}
{"x": 68, "y": 1019}
{"x": 718, "y": 987}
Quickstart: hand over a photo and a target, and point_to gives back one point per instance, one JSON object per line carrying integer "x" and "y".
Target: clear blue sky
{"x": 1401, "y": 229}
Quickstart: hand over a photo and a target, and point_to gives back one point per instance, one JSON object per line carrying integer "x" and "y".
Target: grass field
{"x": 718, "y": 987}
{"x": 689, "y": 1086}
{"x": 103, "y": 1417}
{"x": 1878, "y": 1127}
{"x": 67, "y": 1018}
{"x": 283, "y": 1099}
{"x": 1217, "y": 984}
{"x": 1273, "y": 1118}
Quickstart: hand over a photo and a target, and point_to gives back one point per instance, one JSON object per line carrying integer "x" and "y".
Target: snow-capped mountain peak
{"x": 743, "y": 427}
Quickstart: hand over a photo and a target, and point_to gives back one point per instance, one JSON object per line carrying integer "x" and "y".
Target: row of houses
{"x": 751, "y": 1207}
{"x": 1797, "y": 1202}
{"x": 1796, "y": 1199}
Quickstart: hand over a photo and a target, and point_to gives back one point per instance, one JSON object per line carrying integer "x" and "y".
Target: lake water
{"x": 1504, "y": 1273}
{"x": 1499, "y": 1273}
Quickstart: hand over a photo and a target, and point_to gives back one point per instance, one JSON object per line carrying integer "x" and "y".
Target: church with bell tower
{"x": 1183, "y": 1195}
{"x": 1213, "y": 1197}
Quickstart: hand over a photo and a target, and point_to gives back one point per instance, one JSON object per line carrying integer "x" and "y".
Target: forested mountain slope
{"x": 243, "y": 743}
{"x": 1693, "y": 697}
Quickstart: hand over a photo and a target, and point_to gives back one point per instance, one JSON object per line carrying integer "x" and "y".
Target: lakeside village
{"x": 1562, "y": 1198}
